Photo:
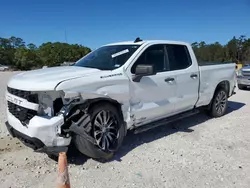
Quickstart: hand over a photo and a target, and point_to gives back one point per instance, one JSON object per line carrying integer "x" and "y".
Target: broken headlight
{"x": 45, "y": 105}
{"x": 70, "y": 96}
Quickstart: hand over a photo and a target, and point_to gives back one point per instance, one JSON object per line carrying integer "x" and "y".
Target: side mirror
{"x": 143, "y": 70}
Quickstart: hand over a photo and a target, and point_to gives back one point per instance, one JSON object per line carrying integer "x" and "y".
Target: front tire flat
{"x": 107, "y": 129}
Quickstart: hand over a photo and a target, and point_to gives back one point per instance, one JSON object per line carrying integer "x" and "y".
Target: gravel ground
{"x": 195, "y": 152}
{"x": 4, "y": 77}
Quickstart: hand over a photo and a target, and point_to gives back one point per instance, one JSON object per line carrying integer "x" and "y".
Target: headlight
{"x": 45, "y": 105}
{"x": 70, "y": 96}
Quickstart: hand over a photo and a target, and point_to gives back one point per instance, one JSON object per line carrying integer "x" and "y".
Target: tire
{"x": 96, "y": 150}
{"x": 53, "y": 157}
{"x": 241, "y": 87}
{"x": 219, "y": 103}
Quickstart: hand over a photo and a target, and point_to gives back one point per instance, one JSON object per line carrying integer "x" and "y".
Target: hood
{"x": 48, "y": 78}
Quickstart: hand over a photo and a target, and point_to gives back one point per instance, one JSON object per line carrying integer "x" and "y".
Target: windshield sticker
{"x": 120, "y": 53}
{"x": 117, "y": 65}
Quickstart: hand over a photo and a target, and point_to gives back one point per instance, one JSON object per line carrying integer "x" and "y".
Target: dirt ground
{"x": 194, "y": 152}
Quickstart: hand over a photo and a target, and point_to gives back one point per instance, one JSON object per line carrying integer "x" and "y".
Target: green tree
{"x": 32, "y": 46}
{"x": 54, "y": 54}
{"x": 26, "y": 59}
{"x": 6, "y": 52}
{"x": 14, "y": 52}
{"x": 16, "y": 42}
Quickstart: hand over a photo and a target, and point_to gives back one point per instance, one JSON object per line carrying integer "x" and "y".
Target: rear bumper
{"x": 34, "y": 143}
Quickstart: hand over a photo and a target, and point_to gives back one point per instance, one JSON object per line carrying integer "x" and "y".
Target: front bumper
{"x": 242, "y": 80}
{"x": 34, "y": 143}
{"x": 41, "y": 134}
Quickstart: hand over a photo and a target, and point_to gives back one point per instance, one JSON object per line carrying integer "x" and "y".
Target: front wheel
{"x": 107, "y": 132}
{"x": 219, "y": 103}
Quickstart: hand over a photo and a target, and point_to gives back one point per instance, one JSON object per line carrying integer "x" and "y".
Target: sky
{"x": 94, "y": 23}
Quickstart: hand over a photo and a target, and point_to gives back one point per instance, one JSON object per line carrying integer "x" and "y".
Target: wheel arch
{"x": 93, "y": 102}
{"x": 86, "y": 105}
{"x": 225, "y": 84}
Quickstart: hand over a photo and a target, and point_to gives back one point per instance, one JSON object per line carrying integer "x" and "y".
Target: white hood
{"x": 48, "y": 78}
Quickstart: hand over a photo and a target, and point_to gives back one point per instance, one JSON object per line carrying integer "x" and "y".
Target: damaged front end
{"x": 41, "y": 119}
{"x": 74, "y": 110}
{"x": 78, "y": 118}
{"x": 75, "y": 113}
{"x": 58, "y": 117}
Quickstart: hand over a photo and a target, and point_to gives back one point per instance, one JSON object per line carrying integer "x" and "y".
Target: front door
{"x": 154, "y": 96}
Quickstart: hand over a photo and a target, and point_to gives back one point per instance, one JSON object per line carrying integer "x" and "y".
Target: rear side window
{"x": 178, "y": 57}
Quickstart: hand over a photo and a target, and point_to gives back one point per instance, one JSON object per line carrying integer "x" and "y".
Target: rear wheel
{"x": 107, "y": 131}
{"x": 219, "y": 103}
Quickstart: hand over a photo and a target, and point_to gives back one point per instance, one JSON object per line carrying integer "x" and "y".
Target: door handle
{"x": 193, "y": 76}
{"x": 169, "y": 79}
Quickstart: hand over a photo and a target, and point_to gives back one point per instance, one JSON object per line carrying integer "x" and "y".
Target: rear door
{"x": 186, "y": 76}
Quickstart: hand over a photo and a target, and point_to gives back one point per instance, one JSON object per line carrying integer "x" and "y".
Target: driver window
{"x": 153, "y": 55}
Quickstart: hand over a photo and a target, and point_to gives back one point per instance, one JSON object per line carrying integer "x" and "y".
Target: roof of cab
{"x": 148, "y": 42}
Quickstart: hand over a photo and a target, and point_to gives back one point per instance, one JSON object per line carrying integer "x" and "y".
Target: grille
{"x": 21, "y": 113}
{"x": 24, "y": 94}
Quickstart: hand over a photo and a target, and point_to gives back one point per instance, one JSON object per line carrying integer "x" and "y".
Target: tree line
{"x": 15, "y": 53}
{"x": 237, "y": 50}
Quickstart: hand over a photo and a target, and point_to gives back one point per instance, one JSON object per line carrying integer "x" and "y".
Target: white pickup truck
{"x": 121, "y": 86}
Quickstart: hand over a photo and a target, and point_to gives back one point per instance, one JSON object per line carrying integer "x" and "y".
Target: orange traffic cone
{"x": 63, "y": 175}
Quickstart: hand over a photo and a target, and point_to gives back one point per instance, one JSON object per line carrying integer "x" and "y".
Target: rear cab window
{"x": 178, "y": 57}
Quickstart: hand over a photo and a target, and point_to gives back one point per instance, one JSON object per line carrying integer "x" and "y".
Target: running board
{"x": 165, "y": 121}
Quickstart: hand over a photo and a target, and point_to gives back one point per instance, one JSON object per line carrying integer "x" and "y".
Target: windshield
{"x": 108, "y": 57}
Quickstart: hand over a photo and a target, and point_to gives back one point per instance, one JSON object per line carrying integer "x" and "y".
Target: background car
{"x": 243, "y": 77}
{"x": 4, "y": 68}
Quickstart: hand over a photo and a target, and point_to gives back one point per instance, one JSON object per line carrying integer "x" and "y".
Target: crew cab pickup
{"x": 135, "y": 85}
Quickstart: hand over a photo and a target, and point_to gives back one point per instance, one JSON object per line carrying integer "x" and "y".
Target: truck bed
{"x": 211, "y": 75}
{"x": 213, "y": 63}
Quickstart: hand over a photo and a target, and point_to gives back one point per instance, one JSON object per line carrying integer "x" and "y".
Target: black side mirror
{"x": 143, "y": 70}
